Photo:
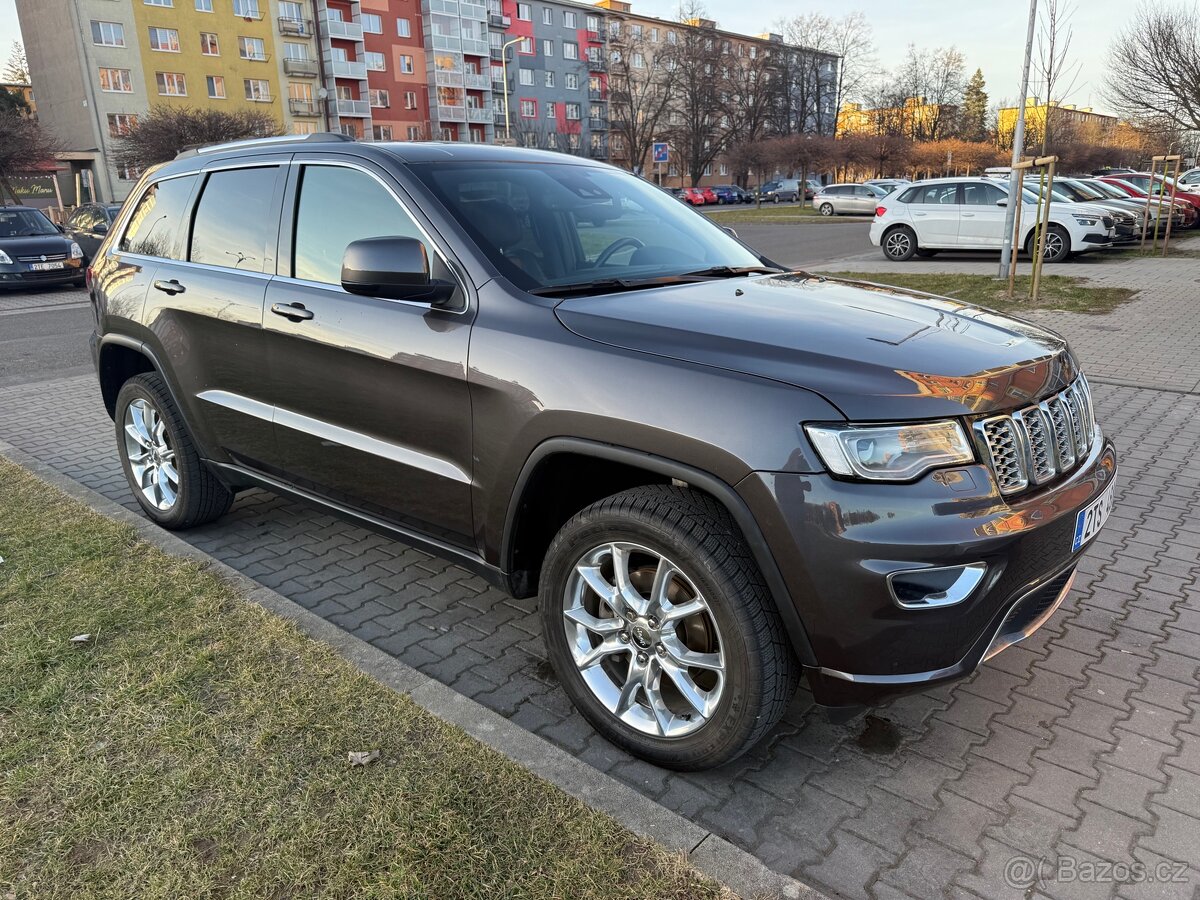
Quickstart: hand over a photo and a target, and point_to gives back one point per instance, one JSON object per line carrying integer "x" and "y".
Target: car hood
{"x": 875, "y": 352}
{"x": 49, "y": 244}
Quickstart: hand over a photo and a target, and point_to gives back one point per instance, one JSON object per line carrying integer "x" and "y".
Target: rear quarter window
{"x": 911, "y": 195}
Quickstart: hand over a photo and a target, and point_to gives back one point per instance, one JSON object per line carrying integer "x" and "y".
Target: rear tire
{"x": 168, "y": 479}
{"x": 900, "y": 243}
{"x": 616, "y": 584}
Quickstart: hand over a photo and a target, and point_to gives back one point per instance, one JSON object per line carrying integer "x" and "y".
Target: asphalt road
{"x": 820, "y": 242}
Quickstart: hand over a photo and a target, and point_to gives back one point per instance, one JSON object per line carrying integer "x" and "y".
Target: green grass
{"x": 768, "y": 213}
{"x": 1056, "y": 291}
{"x": 196, "y": 747}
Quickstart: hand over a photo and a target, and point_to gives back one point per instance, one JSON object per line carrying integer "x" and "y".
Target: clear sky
{"x": 990, "y": 34}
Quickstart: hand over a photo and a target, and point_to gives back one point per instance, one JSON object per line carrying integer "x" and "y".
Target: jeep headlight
{"x": 890, "y": 452}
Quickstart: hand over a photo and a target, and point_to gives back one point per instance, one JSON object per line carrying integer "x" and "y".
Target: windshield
{"x": 1086, "y": 191}
{"x": 551, "y": 225}
{"x": 24, "y": 223}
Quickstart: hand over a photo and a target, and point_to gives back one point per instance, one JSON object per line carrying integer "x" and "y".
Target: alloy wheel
{"x": 898, "y": 243}
{"x": 151, "y": 456}
{"x": 1054, "y": 245}
{"x": 644, "y": 639}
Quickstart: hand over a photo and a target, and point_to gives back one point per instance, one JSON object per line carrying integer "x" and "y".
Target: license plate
{"x": 1092, "y": 517}
{"x": 43, "y": 267}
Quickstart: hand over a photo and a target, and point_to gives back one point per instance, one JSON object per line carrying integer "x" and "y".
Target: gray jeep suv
{"x": 716, "y": 474}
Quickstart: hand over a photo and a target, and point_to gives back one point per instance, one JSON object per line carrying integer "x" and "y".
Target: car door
{"x": 864, "y": 199}
{"x": 205, "y": 307}
{"x": 372, "y": 404}
{"x": 982, "y": 221}
{"x": 936, "y": 213}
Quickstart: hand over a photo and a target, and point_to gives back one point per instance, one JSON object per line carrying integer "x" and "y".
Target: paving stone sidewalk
{"x": 1153, "y": 341}
{"x": 1082, "y": 743}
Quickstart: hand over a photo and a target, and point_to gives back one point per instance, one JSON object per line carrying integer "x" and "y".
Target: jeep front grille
{"x": 1036, "y": 444}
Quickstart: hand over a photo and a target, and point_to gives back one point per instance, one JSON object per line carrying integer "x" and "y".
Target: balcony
{"x": 358, "y": 109}
{"x": 451, "y": 44}
{"x": 596, "y": 124}
{"x": 447, "y": 7}
{"x": 447, "y": 78}
{"x": 474, "y": 11}
{"x": 497, "y": 80}
{"x": 597, "y": 63}
{"x": 479, "y": 114}
{"x": 303, "y": 107}
{"x": 495, "y": 20}
{"x": 475, "y": 47}
{"x": 477, "y": 82}
{"x": 344, "y": 69}
{"x": 306, "y": 68}
{"x": 452, "y": 113}
{"x": 301, "y": 27}
{"x": 600, "y": 152}
{"x": 597, "y": 94}
{"x": 496, "y": 53}
{"x": 350, "y": 31}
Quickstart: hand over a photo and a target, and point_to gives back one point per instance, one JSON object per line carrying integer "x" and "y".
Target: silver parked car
{"x": 848, "y": 199}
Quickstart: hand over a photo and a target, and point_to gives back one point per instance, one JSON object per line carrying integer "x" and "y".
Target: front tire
{"x": 168, "y": 479}
{"x": 1058, "y": 244}
{"x": 661, "y": 629}
{"x": 900, "y": 244}
{"x": 827, "y": 209}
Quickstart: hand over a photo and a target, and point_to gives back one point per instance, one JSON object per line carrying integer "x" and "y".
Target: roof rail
{"x": 316, "y": 137}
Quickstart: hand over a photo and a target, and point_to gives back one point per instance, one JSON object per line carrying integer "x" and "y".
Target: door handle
{"x": 294, "y": 311}
{"x": 968, "y": 215}
{"x": 169, "y": 287}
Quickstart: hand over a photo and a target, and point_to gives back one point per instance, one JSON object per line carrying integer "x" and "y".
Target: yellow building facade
{"x": 912, "y": 118}
{"x": 1089, "y": 126}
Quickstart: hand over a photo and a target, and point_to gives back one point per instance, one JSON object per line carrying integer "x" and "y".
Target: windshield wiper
{"x": 605, "y": 286}
{"x": 732, "y": 271}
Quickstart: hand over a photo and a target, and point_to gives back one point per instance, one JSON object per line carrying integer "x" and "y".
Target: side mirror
{"x": 101, "y": 228}
{"x": 395, "y": 268}
{"x": 61, "y": 229}
{"x": 729, "y": 230}
{"x": 1002, "y": 203}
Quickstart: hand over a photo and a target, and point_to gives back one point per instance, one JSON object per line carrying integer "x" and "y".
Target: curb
{"x": 708, "y": 853}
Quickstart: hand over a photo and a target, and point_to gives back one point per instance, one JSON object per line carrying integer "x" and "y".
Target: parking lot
{"x": 1077, "y": 748}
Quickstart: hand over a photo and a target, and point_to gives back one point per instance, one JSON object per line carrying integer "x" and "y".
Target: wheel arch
{"x": 537, "y": 510}
{"x": 119, "y": 359}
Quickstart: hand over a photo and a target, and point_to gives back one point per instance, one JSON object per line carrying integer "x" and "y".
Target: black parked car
{"x": 716, "y": 474}
{"x": 88, "y": 225}
{"x": 33, "y": 251}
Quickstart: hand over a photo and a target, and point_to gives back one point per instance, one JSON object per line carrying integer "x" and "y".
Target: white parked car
{"x": 968, "y": 214}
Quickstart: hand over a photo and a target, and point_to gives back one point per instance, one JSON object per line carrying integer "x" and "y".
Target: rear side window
{"x": 153, "y": 228}
{"x": 232, "y": 227}
{"x": 978, "y": 194}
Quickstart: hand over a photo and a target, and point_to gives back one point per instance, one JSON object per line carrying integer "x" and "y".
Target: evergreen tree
{"x": 973, "y": 121}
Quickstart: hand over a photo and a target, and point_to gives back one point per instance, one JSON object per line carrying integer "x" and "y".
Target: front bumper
{"x": 836, "y": 542}
{"x": 20, "y": 275}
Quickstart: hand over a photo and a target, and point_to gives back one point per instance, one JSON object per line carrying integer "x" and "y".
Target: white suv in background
{"x": 968, "y": 214}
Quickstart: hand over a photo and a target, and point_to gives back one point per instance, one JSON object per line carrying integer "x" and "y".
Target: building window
{"x": 526, "y": 77}
{"x": 164, "y": 39}
{"x": 614, "y": 29}
{"x": 476, "y": 135}
{"x": 381, "y": 132}
{"x": 552, "y": 140}
{"x": 551, "y": 110}
{"x": 449, "y": 134}
{"x": 299, "y": 127}
{"x": 636, "y": 31}
{"x": 414, "y": 132}
{"x": 547, "y": 16}
{"x": 573, "y": 141}
{"x": 410, "y": 99}
{"x": 204, "y": 5}
{"x": 258, "y": 90}
{"x": 171, "y": 84}
{"x": 116, "y": 81}
{"x": 209, "y": 45}
{"x": 568, "y": 18}
{"x": 528, "y": 109}
{"x": 216, "y": 87}
{"x": 547, "y": 48}
{"x": 108, "y": 34}
{"x": 159, "y": 2}
{"x": 593, "y": 24}
{"x": 129, "y": 173}
{"x": 670, "y": 37}
{"x": 406, "y": 65}
{"x": 571, "y": 81}
{"x": 247, "y": 9}
{"x": 573, "y": 112}
{"x": 403, "y": 28}
{"x": 379, "y": 99}
{"x": 526, "y": 46}
{"x": 570, "y": 50}
{"x": 371, "y": 23}
{"x": 252, "y": 48}
{"x": 295, "y": 51}
{"x": 376, "y": 62}
{"x": 120, "y": 124}
{"x": 524, "y": 12}
{"x": 550, "y": 78}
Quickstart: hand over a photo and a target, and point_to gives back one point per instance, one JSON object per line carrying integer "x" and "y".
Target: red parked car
{"x": 1137, "y": 184}
{"x": 694, "y": 196}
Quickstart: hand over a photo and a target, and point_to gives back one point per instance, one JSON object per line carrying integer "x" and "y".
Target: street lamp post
{"x": 1006, "y": 248}
{"x": 504, "y": 75}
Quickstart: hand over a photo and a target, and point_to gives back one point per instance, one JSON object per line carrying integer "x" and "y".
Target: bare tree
{"x": 16, "y": 70}
{"x": 697, "y": 128}
{"x": 1154, "y": 67}
{"x": 746, "y": 95}
{"x": 832, "y": 66}
{"x": 639, "y": 94}
{"x": 160, "y": 134}
{"x": 1055, "y": 71}
{"x": 932, "y": 84}
{"x": 24, "y": 145}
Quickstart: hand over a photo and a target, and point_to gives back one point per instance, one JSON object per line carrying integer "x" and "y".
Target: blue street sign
{"x": 661, "y": 152}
